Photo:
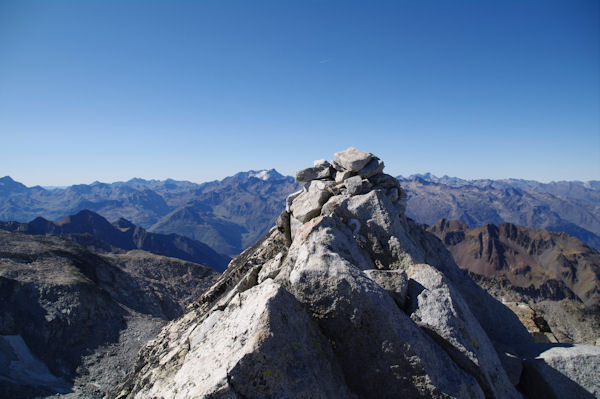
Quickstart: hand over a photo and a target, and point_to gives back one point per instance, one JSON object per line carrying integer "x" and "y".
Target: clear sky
{"x": 199, "y": 90}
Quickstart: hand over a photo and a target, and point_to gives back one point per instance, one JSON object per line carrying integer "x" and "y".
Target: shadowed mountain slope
{"x": 71, "y": 319}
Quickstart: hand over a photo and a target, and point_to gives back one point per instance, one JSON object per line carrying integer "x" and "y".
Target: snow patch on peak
{"x": 264, "y": 174}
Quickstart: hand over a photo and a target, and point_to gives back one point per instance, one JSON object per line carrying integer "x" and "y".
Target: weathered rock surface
{"x": 439, "y": 309}
{"x": 321, "y": 170}
{"x": 308, "y": 204}
{"x": 69, "y": 318}
{"x": 563, "y": 372}
{"x": 352, "y": 159}
{"x": 361, "y": 300}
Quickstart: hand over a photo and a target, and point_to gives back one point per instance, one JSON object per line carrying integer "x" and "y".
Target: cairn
{"x": 352, "y": 172}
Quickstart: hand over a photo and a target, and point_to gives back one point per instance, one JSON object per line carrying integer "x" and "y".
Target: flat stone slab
{"x": 353, "y": 159}
{"x": 322, "y": 171}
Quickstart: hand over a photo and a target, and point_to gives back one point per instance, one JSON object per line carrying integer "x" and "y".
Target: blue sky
{"x": 198, "y": 90}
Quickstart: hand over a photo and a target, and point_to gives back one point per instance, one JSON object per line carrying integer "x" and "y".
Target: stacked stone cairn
{"x": 326, "y": 184}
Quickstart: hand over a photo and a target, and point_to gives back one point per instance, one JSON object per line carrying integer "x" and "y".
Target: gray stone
{"x": 440, "y": 310}
{"x": 390, "y": 243}
{"x": 353, "y": 159}
{"x": 290, "y": 198}
{"x": 319, "y": 163}
{"x": 374, "y": 167}
{"x": 308, "y": 204}
{"x": 381, "y": 352}
{"x": 394, "y": 282}
{"x": 324, "y": 171}
{"x": 271, "y": 268}
{"x": 340, "y": 176}
{"x": 354, "y": 185}
{"x": 337, "y": 167}
{"x": 283, "y": 224}
{"x": 332, "y": 203}
{"x": 269, "y": 342}
{"x": 563, "y": 372}
{"x": 382, "y": 180}
{"x": 294, "y": 226}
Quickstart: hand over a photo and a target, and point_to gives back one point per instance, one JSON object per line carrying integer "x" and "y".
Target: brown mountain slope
{"x": 527, "y": 257}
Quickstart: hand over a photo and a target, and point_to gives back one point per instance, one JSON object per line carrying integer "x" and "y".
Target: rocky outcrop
{"x": 345, "y": 297}
{"x": 73, "y": 320}
{"x": 550, "y": 280}
{"x": 562, "y": 264}
{"x": 568, "y": 372}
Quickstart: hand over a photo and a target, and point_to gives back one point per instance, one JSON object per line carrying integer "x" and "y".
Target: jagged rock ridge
{"x": 569, "y": 207}
{"x": 551, "y": 280}
{"x": 345, "y": 297}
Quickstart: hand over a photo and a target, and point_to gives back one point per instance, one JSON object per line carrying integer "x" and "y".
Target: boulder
{"x": 374, "y": 167}
{"x": 270, "y": 343}
{"x": 438, "y": 308}
{"x": 322, "y": 171}
{"x": 290, "y": 198}
{"x": 382, "y": 180}
{"x": 563, "y": 372}
{"x": 308, "y": 204}
{"x": 318, "y": 163}
{"x": 353, "y": 159}
{"x": 340, "y": 176}
{"x": 394, "y": 282}
{"x": 356, "y": 185}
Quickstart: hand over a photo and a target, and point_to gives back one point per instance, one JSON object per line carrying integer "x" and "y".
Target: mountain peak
{"x": 8, "y": 185}
{"x": 85, "y": 217}
{"x": 265, "y": 174}
{"x": 342, "y": 299}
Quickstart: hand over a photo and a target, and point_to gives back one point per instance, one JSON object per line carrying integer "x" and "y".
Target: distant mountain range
{"x": 230, "y": 214}
{"x": 568, "y": 206}
{"x": 95, "y": 232}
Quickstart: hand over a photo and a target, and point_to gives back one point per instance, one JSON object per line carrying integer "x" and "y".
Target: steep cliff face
{"x": 555, "y": 262}
{"x": 345, "y": 297}
{"x": 550, "y": 280}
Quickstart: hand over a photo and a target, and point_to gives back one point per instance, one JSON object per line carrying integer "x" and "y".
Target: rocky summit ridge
{"x": 348, "y": 298}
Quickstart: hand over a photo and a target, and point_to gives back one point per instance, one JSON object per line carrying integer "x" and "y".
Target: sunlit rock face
{"x": 344, "y": 298}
